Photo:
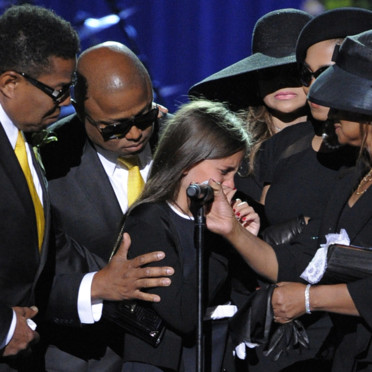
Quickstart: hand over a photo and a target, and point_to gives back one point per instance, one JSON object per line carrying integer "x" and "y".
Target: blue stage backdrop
{"x": 180, "y": 41}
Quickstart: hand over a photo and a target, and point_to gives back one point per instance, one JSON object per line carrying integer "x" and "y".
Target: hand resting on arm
{"x": 123, "y": 279}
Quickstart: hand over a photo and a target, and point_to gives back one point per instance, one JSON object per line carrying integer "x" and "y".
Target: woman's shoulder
{"x": 289, "y": 135}
{"x": 150, "y": 210}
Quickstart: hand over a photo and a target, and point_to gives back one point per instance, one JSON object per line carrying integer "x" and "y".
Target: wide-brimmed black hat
{"x": 273, "y": 44}
{"x": 333, "y": 24}
{"x": 347, "y": 85}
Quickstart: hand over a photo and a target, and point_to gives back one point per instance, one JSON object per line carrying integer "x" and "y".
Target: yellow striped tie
{"x": 135, "y": 180}
{"x": 20, "y": 151}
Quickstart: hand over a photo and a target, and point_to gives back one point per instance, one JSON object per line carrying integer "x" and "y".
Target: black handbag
{"x": 135, "y": 317}
{"x": 346, "y": 263}
{"x": 140, "y": 320}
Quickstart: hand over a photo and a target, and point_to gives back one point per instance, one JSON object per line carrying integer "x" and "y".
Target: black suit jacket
{"x": 85, "y": 208}
{"x": 25, "y": 274}
{"x": 84, "y": 203}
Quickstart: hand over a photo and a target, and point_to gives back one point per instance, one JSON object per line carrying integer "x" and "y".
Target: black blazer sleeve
{"x": 73, "y": 262}
{"x": 6, "y": 315}
{"x": 295, "y": 256}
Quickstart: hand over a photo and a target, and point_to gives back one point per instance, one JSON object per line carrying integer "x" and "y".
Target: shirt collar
{"x": 10, "y": 129}
{"x": 109, "y": 159}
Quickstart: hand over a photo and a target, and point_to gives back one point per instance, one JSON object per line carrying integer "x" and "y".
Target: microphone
{"x": 200, "y": 192}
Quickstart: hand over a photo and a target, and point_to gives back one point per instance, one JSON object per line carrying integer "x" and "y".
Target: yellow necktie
{"x": 20, "y": 151}
{"x": 135, "y": 180}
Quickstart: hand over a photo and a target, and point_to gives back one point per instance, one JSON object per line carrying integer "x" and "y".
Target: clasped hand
{"x": 23, "y": 337}
{"x": 288, "y": 301}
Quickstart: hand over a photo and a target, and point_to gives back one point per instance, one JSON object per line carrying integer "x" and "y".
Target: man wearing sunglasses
{"x": 116, "y": 119}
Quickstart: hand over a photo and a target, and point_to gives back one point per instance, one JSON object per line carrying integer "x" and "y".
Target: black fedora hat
{"x": 347, "y": 85}
{"x": 332, "y": 24}
{"x": 273, "y": 44}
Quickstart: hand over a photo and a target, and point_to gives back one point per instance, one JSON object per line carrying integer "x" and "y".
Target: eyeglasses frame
{"x": 57, "y": 95}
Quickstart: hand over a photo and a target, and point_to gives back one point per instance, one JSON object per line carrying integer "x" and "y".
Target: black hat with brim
{"x": 273, "y": 45}
{"x": 347, "y": 85}
{"x": 332, "y": 24}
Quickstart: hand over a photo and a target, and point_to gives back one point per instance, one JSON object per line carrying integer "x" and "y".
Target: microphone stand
{"x": 197, "y": 209}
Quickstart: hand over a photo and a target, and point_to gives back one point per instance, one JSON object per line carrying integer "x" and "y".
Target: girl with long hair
{"x": 203, "y": 140}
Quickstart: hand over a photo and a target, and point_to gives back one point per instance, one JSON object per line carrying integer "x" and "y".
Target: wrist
{"x": 234, "y": 235}
{"x": 96, "y": 288}
{"x": 307, "y": 299}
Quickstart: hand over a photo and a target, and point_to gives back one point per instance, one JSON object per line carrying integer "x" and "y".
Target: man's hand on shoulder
{"x": 123, "y": 279}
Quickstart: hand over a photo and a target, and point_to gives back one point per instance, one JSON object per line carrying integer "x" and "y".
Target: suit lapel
{"x": 14, "y": 172}
{"x": 94, "y": 182}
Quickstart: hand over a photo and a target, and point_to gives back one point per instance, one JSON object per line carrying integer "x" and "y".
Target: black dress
{"x": 155, "y": 226}
{"x": 300, "y": 178}
{"x": 301, "y": 181}
{"x": 353, "y": 334}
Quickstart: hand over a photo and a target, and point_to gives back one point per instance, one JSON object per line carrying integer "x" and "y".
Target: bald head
{"x": 112, "y": 87}
{"x": 109, "y": 68}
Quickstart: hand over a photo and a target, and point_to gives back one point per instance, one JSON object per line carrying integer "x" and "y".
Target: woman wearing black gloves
{"x": 348, "y": 208}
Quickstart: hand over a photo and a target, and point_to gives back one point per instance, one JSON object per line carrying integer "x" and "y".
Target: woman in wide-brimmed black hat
{"x": 266, "y": 83}
{"x": 349, "y": 208}
{"x": 299, "y": 169}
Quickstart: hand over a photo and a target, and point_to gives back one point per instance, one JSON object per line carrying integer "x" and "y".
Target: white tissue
{"x": 31, "y": 324}
{"x": 220, "y": 312}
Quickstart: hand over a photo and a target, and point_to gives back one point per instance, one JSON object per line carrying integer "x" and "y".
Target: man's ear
{"x": 9, "y": 81}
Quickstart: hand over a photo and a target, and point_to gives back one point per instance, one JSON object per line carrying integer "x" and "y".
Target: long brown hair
{"x": 260, "y": 126}
{"x": 198, "y": 131}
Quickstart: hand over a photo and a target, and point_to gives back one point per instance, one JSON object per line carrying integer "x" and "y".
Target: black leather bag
{"x": 284, "y": 232}
{"x": 140, "y": 320}
{"x": 346, "y": 263}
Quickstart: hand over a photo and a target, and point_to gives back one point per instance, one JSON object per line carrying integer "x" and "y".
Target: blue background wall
{"x": 180, "y": 41}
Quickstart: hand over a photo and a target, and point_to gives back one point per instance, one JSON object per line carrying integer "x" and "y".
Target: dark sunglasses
{"x": 57, "y": 95}
{"x": 306, "y": 75}
{"x": 122, "y": 127}
{"x": 290, "y": 71}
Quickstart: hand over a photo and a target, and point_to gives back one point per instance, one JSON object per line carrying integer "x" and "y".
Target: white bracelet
{"x": 307, "y": 299}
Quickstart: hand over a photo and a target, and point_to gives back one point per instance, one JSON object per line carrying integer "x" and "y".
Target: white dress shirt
{"x": 118, "y": 173}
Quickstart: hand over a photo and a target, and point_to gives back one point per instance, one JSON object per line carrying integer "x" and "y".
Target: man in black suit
{"x": 37, "y": 63}
{"x": 37, "y": 60}
{"x": 88, "y": 183}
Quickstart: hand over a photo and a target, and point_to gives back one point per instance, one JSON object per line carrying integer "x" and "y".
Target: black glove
{"x": 287, "y": 336}
{"x": 253, "y": 323}
{"x": 283, "y": 232}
